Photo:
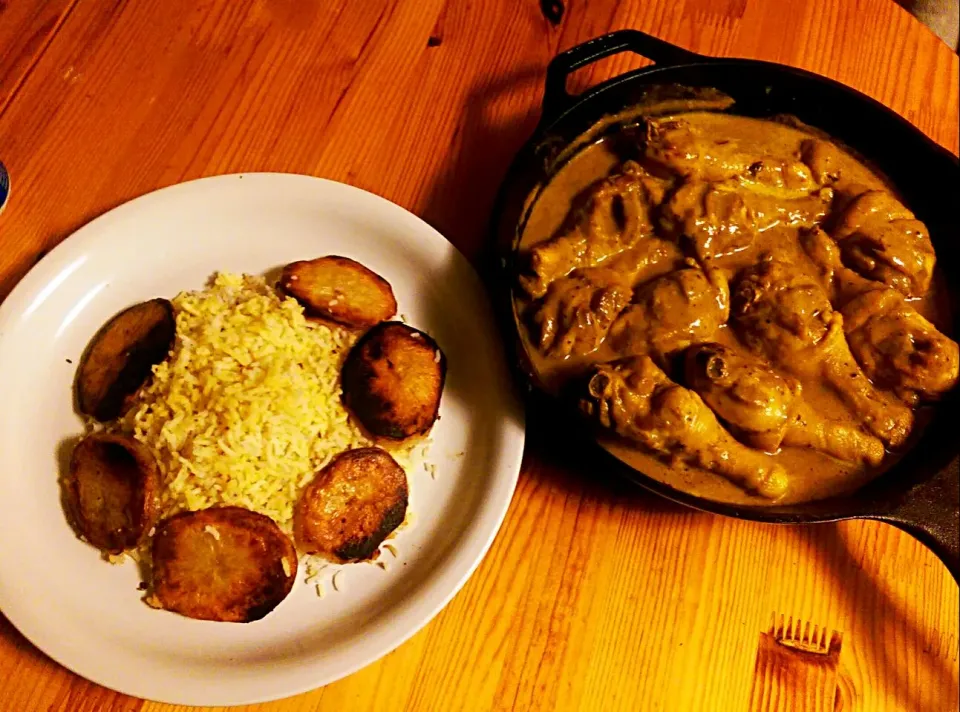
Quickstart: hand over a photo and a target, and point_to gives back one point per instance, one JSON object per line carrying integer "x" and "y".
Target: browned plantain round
{"x": 339, "y": 289}
{"x": 351, "y": 506}
{"x": 222, "y": 564}
{"x": 392, "y": 380}
{"x": 121, "y": 357}
{"x": 111, "y": 491}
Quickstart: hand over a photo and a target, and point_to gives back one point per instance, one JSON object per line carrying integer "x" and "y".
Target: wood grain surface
{"x": 26, "y": 28}
{"x": 594, "y": 596}
{"x": 796, "y": 669}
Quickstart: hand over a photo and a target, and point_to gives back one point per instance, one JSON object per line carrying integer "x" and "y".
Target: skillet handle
{"x": 555, "y": 95}
{"x": 931, "y": 514}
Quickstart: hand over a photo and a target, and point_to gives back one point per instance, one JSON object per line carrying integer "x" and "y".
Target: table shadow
{"x": 498, "y": 118}
{"x": 852, "y": 584}
{"x": 562, "y": 452}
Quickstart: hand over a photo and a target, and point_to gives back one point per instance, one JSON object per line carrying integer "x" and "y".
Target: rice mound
{"x": 246, "y": 409}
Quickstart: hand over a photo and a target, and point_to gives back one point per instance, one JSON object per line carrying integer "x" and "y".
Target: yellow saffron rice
{"x": 247, "y": 407}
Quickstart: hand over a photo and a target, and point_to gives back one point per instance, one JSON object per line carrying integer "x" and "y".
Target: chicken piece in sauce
{"x": 765, "y": 409}
{"x": 722, "y": 219}
{"x": 670, "y": 313}
{"x": 881, "y": 240}
{"x": 838, "y": 438}
{"x": 614, "y": 217}
{"x": 577, "y": 311}
{"x": 823, "y": 159}
{"x": 637, "y": 400}
{"x": 715, "y": 221}
{"x": 895, "y": 345}
{"x": 836, "y": 280}
{"x": 692, "y": 151}
{"x": 784, "y": 315}
{"x": 756, "y": 401}
{"x": 898, "y": 348}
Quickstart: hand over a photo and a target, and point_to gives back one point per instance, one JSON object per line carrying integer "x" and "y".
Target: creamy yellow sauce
{"x": 813, "y": 475}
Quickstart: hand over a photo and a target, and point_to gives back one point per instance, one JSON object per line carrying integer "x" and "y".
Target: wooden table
{"x": 594, "y": 596}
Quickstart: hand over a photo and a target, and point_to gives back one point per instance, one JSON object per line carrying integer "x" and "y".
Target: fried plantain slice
{"x": 222, "y": 564}
{"x": 351, "y": 506}
{"x": 111, "y": 491}
{"x": 392, "y": 380}
{"x": 339, "y": 289}
{"x": 121, "y": 356}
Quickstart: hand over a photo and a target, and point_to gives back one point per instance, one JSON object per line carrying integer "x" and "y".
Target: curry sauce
{"x": 745, "y": 309}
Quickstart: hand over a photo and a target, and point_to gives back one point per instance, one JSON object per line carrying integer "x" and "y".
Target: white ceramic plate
{"x": 87, "y": 614}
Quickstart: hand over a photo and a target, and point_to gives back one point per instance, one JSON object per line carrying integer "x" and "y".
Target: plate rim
{"x": 510, "y": 429}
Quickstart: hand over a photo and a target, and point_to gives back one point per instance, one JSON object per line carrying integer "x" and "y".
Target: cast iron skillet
{"x": 921, "y": 494}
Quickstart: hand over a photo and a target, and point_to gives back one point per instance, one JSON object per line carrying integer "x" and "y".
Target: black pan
{"x": 921, "y": 494}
